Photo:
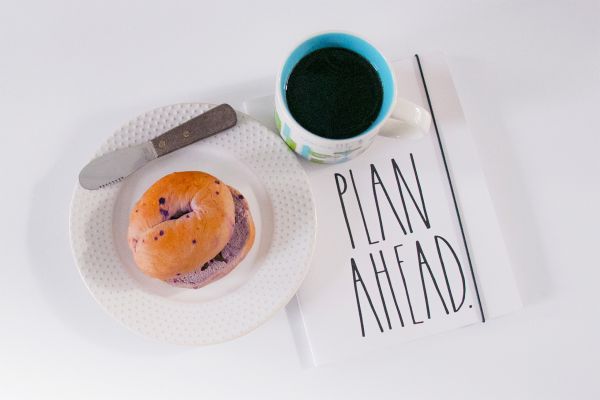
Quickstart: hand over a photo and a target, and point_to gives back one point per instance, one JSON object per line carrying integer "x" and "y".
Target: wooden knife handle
{"x": 213, "y": 121}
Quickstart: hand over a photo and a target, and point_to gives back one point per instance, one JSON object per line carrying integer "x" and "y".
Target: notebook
{"x": 408, "y": 244}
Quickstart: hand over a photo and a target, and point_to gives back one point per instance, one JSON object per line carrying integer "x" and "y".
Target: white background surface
{"x": 528, "y": 75}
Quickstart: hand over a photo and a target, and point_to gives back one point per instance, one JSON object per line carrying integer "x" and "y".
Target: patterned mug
{"x": 394, "y": 111}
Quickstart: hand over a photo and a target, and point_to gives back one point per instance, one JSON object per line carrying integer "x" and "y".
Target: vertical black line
{"x": 462, "y": 231}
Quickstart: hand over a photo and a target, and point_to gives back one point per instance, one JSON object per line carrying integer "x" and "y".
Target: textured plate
{"x": 248, "y": 157}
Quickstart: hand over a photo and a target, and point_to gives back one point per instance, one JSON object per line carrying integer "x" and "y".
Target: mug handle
{"x": 406, "y": 114}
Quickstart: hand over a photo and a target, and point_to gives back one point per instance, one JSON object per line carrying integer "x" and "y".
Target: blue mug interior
{"x": 350, "y": 42}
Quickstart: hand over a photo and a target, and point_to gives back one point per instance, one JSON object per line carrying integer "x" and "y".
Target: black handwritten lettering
{"x": 387, "y": 275}
{"x": 357, "y": 278}
{"x": 412, "y": 314}
{"x": 462, "y": 275}
{"x": 362, "y": 214}
{"x": 412, "y": 197}
{"x": 340, "y": 193}
{"x": 376, "y": 180}
{"x": 423, "y": 261}
{"x": 400, "y": 177}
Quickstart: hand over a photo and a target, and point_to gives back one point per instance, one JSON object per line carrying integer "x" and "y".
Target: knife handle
{"x": 213, "y": 121}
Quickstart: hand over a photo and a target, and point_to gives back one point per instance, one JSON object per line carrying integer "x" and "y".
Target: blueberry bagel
{"x": 190, "y": 229}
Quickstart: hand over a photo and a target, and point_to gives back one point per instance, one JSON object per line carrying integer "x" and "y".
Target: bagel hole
{"x": 180, "y": 213}
{"x": 218, "y": 257}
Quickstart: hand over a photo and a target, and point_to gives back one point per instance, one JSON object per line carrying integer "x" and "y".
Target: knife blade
{"x": 113, "y": 167}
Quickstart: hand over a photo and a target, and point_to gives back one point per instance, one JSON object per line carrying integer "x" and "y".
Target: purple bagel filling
{"x": 220, "y": 265}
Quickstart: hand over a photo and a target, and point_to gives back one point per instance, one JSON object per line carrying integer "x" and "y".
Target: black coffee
{"x": 334, "y": 93}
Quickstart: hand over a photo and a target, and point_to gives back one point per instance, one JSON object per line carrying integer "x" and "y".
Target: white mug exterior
{"x": 323, "y": 150}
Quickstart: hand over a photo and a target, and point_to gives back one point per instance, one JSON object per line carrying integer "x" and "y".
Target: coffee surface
{"x": 334, "y": 93}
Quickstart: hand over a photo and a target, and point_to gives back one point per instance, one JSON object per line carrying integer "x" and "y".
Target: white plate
{"x": 248, "y": 157}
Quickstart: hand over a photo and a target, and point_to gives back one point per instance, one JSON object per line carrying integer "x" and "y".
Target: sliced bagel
{"x": 232, "y": 254}
{"x": 183, "y": 220}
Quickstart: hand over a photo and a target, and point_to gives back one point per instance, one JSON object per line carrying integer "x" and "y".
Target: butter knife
{"x": 113, "y": 167}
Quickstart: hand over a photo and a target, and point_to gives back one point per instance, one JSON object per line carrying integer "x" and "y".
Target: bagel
{"x": 232, "y": 254}
{"x": 189, "y": 229}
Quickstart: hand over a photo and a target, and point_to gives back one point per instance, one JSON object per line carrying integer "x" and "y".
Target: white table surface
{"x": 528, "y": 75}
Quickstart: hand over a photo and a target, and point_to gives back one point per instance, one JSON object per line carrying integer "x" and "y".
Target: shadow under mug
{"x": 394, "y": 113}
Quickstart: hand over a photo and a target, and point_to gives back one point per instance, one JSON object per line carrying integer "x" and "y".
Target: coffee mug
{"x": 395, "y": 113}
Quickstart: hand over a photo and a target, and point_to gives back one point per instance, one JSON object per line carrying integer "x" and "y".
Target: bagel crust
{"x": 230, "y": 257}
{"x": 181, "y": 222}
